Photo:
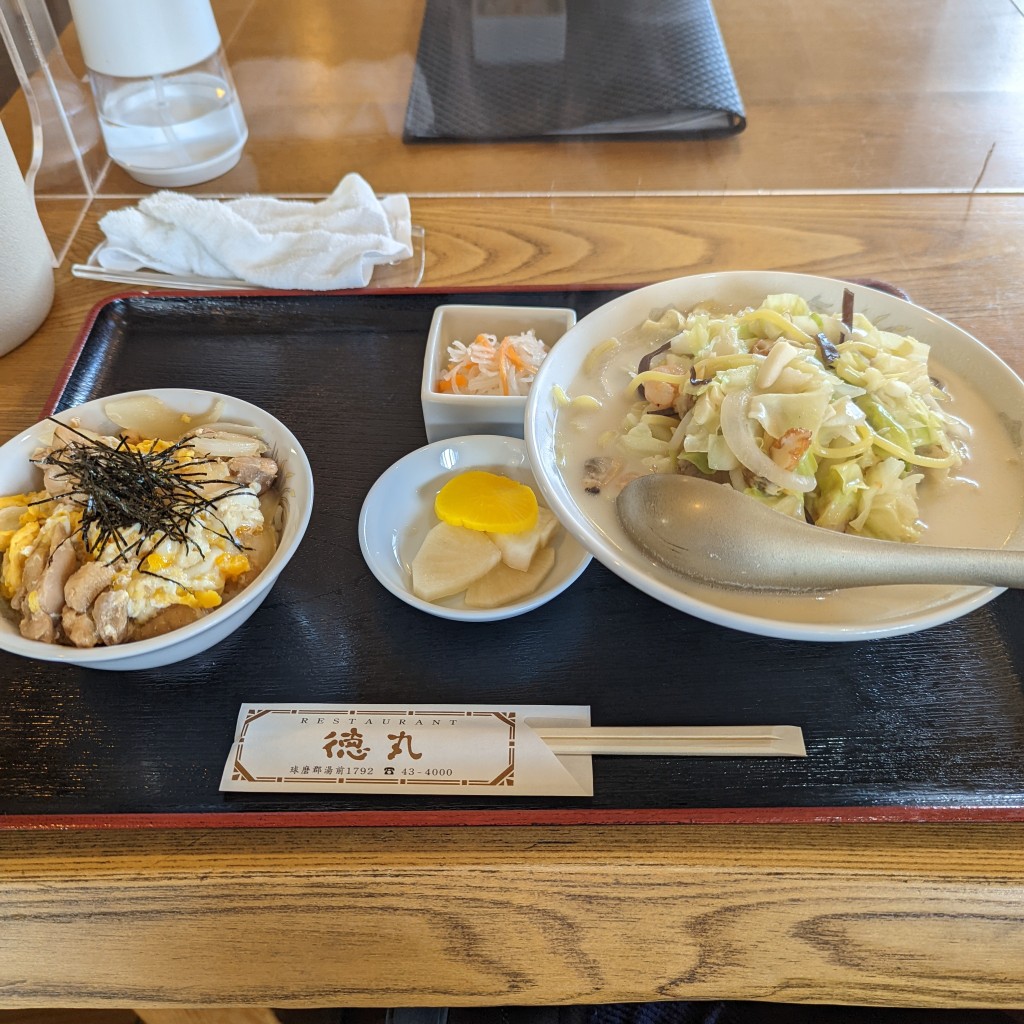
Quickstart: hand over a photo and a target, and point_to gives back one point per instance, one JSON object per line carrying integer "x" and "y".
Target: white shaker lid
{"x": 140, "y": 38}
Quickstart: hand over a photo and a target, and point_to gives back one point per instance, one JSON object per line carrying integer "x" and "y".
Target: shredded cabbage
{"x": 836, "y": 423}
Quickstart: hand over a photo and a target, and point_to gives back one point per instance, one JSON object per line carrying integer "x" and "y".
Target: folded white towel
{"x": 274, "y": 243}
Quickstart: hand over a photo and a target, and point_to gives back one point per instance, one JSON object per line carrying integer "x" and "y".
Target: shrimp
{"x": 789, "y": 449}
{"x": 660, "y": 394}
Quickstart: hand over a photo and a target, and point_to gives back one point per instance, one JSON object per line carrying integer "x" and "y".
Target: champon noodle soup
{"x": 819, "y": 413}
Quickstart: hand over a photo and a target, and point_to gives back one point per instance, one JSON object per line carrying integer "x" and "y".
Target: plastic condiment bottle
{"x": 26, "y": 259}
{"x": 164, "y": 95}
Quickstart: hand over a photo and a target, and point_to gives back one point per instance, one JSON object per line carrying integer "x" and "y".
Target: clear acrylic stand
{"x": 68, "y": 159}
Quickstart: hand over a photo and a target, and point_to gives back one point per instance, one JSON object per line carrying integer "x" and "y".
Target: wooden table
{"x": 885, "y": 141}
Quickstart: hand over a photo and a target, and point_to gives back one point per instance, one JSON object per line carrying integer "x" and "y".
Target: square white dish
{"x": 445, "y": 415}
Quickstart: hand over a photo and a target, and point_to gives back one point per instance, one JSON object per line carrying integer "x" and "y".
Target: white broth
{"x": 977, "y": 505}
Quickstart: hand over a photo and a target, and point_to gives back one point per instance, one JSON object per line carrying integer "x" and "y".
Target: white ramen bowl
{"x": 398, "y": 512}
{"x": 987, "y": 395}
{"x": 18, "y": 475}
{"x": 447, "y": 415}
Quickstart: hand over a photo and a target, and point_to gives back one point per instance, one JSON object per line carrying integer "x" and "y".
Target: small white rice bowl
{"x": 18, "y": 475}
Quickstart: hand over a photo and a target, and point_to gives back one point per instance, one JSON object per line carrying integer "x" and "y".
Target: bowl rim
{"x": 477, "y": 444}
{"x": 36, "y": 649}
{"x": 542, "y": 455}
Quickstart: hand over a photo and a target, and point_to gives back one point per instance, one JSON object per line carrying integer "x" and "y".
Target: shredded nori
{"x": 118, "y": 488}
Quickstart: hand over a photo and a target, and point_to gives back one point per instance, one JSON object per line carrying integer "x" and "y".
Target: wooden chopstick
{"x": 679, "y": 741}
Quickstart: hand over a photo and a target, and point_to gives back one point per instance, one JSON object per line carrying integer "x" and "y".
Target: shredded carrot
{"x": 503, "y": 364}
{"x": 444, "y": 385}
{"x": 513, "y": 356}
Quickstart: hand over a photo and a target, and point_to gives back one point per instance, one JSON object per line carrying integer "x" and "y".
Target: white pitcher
{"x": 26, "y": 259}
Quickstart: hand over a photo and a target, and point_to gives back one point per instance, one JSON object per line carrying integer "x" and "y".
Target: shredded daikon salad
{"x": 823, "y": 415}
{"x": 489, "y": 367}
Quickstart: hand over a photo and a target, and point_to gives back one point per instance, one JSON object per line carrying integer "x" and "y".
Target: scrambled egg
{"x": 23, "y": 523}
{"x": 195, "y": 574}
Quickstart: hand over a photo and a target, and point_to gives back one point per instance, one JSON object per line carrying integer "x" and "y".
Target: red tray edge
{"x": 93, "y": 315}
{"x": 479, "y": 289}
{"x": 883, "y": 815}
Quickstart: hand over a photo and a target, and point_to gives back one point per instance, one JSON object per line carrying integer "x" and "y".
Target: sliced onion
{"x": 234, "y": 428}
{"x": 738, "y": 431}
{"x": 148, "y": 416}
{"x": 221, "y": 445}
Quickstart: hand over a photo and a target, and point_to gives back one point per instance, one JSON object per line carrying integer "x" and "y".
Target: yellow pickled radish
{"x": 486, "y": 501}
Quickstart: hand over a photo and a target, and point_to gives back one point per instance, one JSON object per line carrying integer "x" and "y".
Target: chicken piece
{"x": 35, "y": 563}
{"x": 60, "y": 565}
{"x": 38, "y": 626}
{"x": 252, "y": 469}
{"x": 64, "y": 435}
{"x": 110, "y": 614}
{"x": 86, "y": 584}
{"x": 57, "y": 482}
{"x": 79, "y": 628}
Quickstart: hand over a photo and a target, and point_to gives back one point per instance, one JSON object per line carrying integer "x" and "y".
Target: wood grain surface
{"x": 930, "y": 915}
{"x": 890, "y": 146}
{"x": 957, "y": 255}
{"x": 914, "y": 96}
{"x": 876, "y": 915}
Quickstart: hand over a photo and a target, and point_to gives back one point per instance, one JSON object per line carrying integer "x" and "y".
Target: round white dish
{"x": 398, "y": 511}
{"x": 858, "y": 614}
{"x": 18, "y": 475}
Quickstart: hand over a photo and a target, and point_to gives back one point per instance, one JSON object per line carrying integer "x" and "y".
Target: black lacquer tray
{"x": 919, "y": 727}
